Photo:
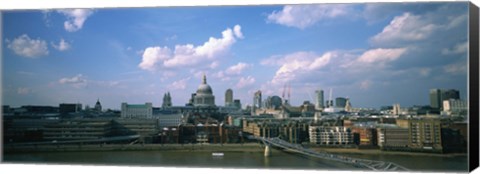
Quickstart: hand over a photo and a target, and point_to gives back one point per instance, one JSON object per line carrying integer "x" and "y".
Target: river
{"x": 278, "y": 160}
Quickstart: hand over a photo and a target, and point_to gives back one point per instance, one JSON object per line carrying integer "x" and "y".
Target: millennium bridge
{"x": 357, "y": 162}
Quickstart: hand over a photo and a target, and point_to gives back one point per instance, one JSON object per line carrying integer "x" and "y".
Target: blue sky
{"x": 375, "y": 54}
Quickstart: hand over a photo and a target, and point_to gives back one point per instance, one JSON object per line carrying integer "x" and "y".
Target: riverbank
{"x": 356, "y": 151}
{"x": 246, "y": 147}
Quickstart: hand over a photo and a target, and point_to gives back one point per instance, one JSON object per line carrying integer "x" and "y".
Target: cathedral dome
{"x": 204, "y": 95}
{"x": 204, "y": 88}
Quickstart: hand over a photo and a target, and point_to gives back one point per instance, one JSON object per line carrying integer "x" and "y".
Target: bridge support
{"x": 267, "y": 151}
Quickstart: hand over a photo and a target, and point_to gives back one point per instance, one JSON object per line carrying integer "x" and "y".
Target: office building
{"x": 425, "y": 134}
{"x": 437, "y": 96}
{"x": 237, "y": 103}
{"x": 455, "y": 107}
{"x": 330, "y": 135}
{"x": 136, "y": 110}
{"x": 340, "y": 102}
{"x": 229, "y": 97}
{"x": 319, "y": 100}
{"x": 66, "y": 108}
{"x": 257, "y": 102}
{"x": 393, "y": 138}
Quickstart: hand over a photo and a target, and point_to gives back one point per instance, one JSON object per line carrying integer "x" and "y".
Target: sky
{"x": 375, "y": 54}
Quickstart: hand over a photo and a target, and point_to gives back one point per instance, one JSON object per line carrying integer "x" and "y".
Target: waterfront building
{"x": 167, "y": 100}
{"x": 364, "y": 136}
{"x": 204, "y": 96}
{"x": 77, "y": 130}
{"x": 319, "y": 103}
{"x": 229, "y": 97}
{"x": 392, "y": 137}
{"x": 290, "y": 130}
{"x": 136, "y": 110}
{"x": 98, "y": 106}
{"x": 167, "y": 120}
{"x": 330, "y": 135}
{"x": 147, "y": 128}
{"x": 425, "y": 134}
{"x": 17, "y": 130}
{"x": 36, "y": 109}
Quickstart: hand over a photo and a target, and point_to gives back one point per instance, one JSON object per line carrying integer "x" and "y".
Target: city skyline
{"x": 375, "y": 54}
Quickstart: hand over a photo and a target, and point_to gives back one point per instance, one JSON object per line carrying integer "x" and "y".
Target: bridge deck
{"x": 363, "y": 163}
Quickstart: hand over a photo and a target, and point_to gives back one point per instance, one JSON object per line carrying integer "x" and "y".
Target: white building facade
{"x": 326, "y": 135}
{"x": 137, "y": 110}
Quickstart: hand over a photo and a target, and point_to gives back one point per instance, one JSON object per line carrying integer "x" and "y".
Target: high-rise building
{"x": 204, "y": 96}
{"x": 229, "y": 97}
{"x": 319, "y": 100}
{"x": 396, "y": 109}
{"x": 450, "y": 94}
{"x": 257, "y": 101}
{"x": 348, "y": 106}
{"x": 437, "y": 96}
{"x": 237, "y": 103}
{"x": 340, "y": 102}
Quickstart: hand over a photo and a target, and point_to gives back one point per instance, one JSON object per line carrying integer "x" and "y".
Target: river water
{"x": 278, "y": 160}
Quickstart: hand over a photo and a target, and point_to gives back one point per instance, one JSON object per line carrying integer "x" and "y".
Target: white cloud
{"x": 245, "y": 81}
{"x": 78, "y": 81}
{"x": 456, "y": 68}
{"x": 457, "y": 49}
{"x": 425, "y": 71}
{"x": 154, "y": 55}
{"x": 303, "y": 16}
{"x": 365, "y": 84}
{"x": 407, "y": 27}
{"x": 237, "y": 30}
{"x": 107, "y": 83}
{"x": 62, "y": 45}
{"x": 214, "y": 64}
{"x": 173, "y": 37}
{"x": 237, "y": 69}
{"x": 26, "y": 47}
{"x": 180, "y": 84}
{"x": 155, "y": 58}
{"x": 75, "y": 18}
{"x": 23, "y": 91}
{"x": 381, "y": 55}
{"x": 297, "y": 63}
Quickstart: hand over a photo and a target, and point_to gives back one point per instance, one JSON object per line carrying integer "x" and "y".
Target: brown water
{"x": 278, "y": 160}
